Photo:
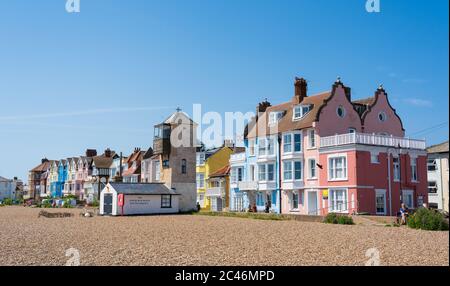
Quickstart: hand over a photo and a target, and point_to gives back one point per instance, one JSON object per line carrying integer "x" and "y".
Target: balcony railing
{"x": 215, "y": 192}
{"x": 372, "y": 139}
{"x": 237, "y": 157}
{"x": 248, "y": 185}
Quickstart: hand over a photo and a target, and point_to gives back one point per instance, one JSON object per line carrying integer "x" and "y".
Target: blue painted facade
{"x": 247, "y": 186}
{"x": 58, "y": 187}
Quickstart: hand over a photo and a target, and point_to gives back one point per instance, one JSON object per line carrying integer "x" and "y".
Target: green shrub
{"x": 95, "y": 203}
{"x": 8, "y": 202}
{"x": 331, "y": 218}
{"x": 427, "y": 219}
{"x": 338, "y": 219}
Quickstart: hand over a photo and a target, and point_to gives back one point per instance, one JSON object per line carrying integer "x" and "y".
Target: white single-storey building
{"x": 138, "y": 199}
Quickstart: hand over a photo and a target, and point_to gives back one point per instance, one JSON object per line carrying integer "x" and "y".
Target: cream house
{"x": 438, "y": 188}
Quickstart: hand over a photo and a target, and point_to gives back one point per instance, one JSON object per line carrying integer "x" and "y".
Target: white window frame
{"x": 414, "y": 175}
{"x": 310, "y": 169}
{"x": 200, "y": 180}
{"x": 292, "y": 206}
{"x": 266, "y": 172}
{"x": 432, "y": 185}
{"x": 294, "y": 170}
{"x": 374, "y": 158}
{"x": 396, "y": 169}
{"x": 312, "y": 144}
{"x": 332, "y": 167}
{"x": 378, "y": 192}
{"x": 332, "y": 197}
{"x": 274, "y": 117}
{"x": 289, "y": 135}
{"x": 302, "y": 112}
{"x": 288, "y": 172}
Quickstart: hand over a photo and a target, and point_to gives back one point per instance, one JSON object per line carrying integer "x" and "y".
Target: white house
{"x": 7, "y": 188}
{"x": 138, "y": 199}
{"x": 438, "y": 186}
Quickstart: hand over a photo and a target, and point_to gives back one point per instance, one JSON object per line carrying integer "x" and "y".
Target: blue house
{"x": 62, "y": 178}
{"x": 254, "y": 179}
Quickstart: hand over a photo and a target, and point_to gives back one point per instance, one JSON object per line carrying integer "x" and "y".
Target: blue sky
{"x": 103, "y": 77}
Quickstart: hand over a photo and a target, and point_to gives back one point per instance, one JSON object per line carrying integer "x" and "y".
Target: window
{"x": 312, "y": 168}
{"x": 252, "y": 173}
{"x": 157, "y": 171}
{"x": 287, "y": 170}
{"x": 338, "y": 200}
{"x": 300, "y": 111}
{"x": 414, "y": 169}
{"x": 298, "y": 170}
{"x": 351, "y": 130}
{"x": 200, "y": 159}
{"x": 340, "y": 111}
{"x": 382, "y": 116}
{"x": 274, "y": 117}
{"x": 396, "y": 162}
{"x": 183, "y": 166}
{"x": 259, "y": 199}
{"x": 287, "y": 143}
{"x": 166, "y": 201}
{"x": 337, "y": 169}
{"x": 251, "y": 147}
{"x": 432, "y": 187}
{"x": 266, "y": 172}
{"x": 239, "y": 174}
{"x": 262, "y": 146}
{"x": 431, "y": 165}
{"x": 297, "y": 142}
{"x": 270, "y": 172}
{"x": 312, "y": 138}
{"x": 374, "y": 159}
{"x": 200, "y": 181}
{"x": 262, "y": 172}
{"x": 165, "y": 164}
{"x": 294, "y": 203}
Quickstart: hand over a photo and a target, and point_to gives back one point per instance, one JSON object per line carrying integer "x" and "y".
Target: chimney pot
{"x": 301, "y": 89}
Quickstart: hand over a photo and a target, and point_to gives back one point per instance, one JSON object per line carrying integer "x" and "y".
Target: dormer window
{"x": 274, "y": 117}
{"x": 300, "y": 111}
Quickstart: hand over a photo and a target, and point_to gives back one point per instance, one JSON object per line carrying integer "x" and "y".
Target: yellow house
{"x": 208, "y": 163}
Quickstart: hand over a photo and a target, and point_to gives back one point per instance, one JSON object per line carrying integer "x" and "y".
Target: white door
{"x": 312, "y": 203}
{"x": 380, "y": 202}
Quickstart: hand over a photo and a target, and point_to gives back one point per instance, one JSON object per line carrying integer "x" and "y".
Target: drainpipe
{"x": 279, "y": 170}
{"x": 389, "y": 181}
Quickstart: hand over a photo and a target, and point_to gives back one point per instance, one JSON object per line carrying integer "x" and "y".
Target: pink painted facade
{"x": 359, "y": 167}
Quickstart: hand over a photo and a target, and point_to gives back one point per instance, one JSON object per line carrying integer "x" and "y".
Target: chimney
{"x": 301, "y": 88}
{"x": 44, "y": 160}
{"x": 91, "y": 153}
{"x": 108, "y": 153}
{"x": 262, "y": 107}
{"x": 136, "y": 149}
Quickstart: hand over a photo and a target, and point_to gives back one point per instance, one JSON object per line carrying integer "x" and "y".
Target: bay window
{"x": 297, "y": 142}
{"x": 287, "y": 143}
{"x": 298, "y": 170}
{"x": 266, "y": 172}
{"x": 337, "y": 168}
{"x": 287, "y": 170}
{"x": 338, "y": 200}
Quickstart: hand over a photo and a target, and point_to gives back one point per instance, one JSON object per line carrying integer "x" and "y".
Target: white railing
{"x": 215, "y": 192}
{"x": 248, "y": 185}
{"x": 372, "y": 139}
{"x": 237, "y": 157}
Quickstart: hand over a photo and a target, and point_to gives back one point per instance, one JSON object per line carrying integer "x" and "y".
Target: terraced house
{"x": 323, "y": 153}
{"x": 212, "y": 191}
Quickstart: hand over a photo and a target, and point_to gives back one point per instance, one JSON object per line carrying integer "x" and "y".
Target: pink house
{"x": 342, "y": 155}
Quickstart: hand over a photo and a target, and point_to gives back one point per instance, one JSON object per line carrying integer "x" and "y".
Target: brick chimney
{"x": 91, "y": 153}
{"x": 301, "y": 89}
{"x": 44, "y": 160}
{"x": 262, "y": 107}
{"x": 108, "y": 153}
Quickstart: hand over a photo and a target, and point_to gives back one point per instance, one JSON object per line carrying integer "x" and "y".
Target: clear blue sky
{"x": 74, "y": 81}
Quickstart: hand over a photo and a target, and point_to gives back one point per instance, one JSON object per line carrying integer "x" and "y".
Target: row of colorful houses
{"x": 316, "y": 154}
{"x": 86, "y": 176}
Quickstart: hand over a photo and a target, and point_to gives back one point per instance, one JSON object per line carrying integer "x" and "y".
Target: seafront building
{"x": 322, "y": 153}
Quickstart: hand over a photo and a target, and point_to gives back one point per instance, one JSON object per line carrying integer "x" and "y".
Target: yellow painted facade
{"x": 211, "y": 165}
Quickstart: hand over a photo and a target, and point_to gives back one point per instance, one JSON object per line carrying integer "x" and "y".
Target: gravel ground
{"x": 203, "y": 240}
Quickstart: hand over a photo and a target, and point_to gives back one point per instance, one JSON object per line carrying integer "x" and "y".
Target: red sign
{"x": 120, "y": 199}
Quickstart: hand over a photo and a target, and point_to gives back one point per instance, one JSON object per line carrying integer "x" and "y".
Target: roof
{"x": 438, "y": 148}
{"x": 42, "y": 167}
{"x": 262, "y": 127}
{"x": 142, "y": 189}
{"x": 364, "y": 101}
{"x": 3, "y": 179}
{"x": 102, "y": 161}
{"x": 222, "y": 172}
{"x": 172, "y": 119}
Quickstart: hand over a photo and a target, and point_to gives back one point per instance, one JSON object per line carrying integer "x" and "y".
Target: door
{"x": 219, "y": 204}
{"x": 408, "y": 198}
{"x": 312, "y": 203}
{"x": 107, "y": 204}
{"x": 380, "y": 202}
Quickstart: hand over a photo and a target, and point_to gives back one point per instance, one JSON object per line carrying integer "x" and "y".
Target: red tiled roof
{"x": 222, "y": 172}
